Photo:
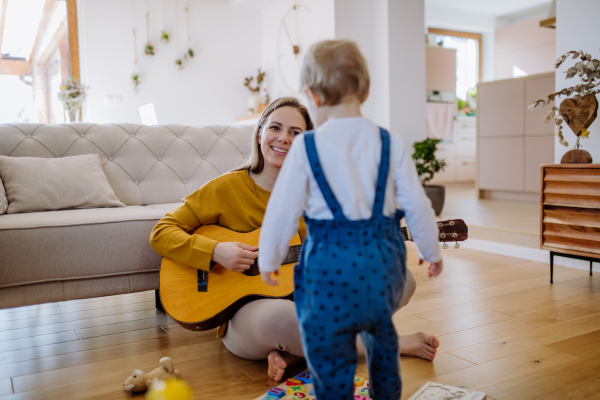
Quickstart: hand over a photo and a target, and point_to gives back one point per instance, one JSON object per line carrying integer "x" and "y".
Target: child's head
{"x": 335, "y": 70}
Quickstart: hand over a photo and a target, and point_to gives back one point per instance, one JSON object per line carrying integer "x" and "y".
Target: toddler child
{"x": 347, "y": 178}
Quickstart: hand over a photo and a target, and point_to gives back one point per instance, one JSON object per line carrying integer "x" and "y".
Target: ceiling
{"x": 493, "y": 8}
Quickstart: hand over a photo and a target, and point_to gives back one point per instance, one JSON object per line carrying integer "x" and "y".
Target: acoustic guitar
{"x": 200, "y": 300}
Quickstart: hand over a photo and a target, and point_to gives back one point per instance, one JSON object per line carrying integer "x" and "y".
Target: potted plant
{"x": 427, "y": 166}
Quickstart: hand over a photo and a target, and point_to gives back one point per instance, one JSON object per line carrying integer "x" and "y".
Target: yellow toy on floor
{"x": 169, "y": 389}
{"x": 140, "y": 381}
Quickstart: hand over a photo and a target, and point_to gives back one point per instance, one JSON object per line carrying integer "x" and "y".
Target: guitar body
{"x": 226, "y": 291}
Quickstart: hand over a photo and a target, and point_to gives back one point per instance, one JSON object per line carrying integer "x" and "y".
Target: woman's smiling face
{"x": 282, "y": 126}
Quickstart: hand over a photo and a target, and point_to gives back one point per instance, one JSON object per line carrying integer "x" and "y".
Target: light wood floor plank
{"x": 74, "y": 316}
{"x": 457, "y": 324}
{"x": 121, "y": 327}
{"x": 552, "y": 300}
{"x": 141, "y": 297}
{"x": 44, "y": 312}
{"x": 35, "y": 341}
{"x": 481, "y": 334}
{"x": 586, "y": 345}
{"x": 573, "y": 380}
{"x": 82, "y": 324}
{"x": 524, "y": 341}
{"x": 5, "y": 387}
{"x": 499, "y": 296}
{"x": 504, "y": 369}
{"x": 591, "y": 304}
{"x": 17, "y": 362}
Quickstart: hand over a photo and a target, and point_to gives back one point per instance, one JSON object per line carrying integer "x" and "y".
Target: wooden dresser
{"x": 570, "y": 211}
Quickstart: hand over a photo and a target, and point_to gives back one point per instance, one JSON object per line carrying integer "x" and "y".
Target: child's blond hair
{"x": 335, "y": 69}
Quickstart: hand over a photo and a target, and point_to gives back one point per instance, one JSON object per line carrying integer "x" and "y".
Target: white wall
{"x": 227, "y": 43}
{"x": 319, "y": 25}
{"x": 526, "y": 47}
{"x": 577, "y": 28}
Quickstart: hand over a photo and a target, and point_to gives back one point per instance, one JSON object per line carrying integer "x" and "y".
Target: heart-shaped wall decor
{"x": 579, "y": 113}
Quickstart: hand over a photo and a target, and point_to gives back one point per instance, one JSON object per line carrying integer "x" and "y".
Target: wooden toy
{"x": 359, "y": 381}
{"x": 304, "y": 377}
{"x": 294, "y": 389}
{"x": 276, "y": 392}
{"x": 307, "y": 391}
{"x": 293, "y": 382}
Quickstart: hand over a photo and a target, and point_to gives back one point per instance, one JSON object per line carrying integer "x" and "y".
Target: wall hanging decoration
{"x": 190, "y": 51}
{"x": 178, "y": 60}
{"x": 579, "y": 111}
{"x": 71, "y": 94}
{"x": 135, "y": 75}
{"x": 254, "y": 101}
{"x": 164, "y": 34}
{"x": 149, "y": 49}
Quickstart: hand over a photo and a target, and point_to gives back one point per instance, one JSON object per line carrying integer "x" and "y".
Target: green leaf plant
{"x": 425, "y": 161}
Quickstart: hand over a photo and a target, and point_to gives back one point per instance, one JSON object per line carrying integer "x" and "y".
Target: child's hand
{"x": 434, "y": 268}
{"x": 268, "y": 279}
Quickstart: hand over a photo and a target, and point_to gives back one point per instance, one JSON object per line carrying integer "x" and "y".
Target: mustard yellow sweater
{"x": 232, "y": 200}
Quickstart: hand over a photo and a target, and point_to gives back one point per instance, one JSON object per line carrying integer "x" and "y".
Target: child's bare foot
{"x": 419, "y": 345}
{"x": 279, "y": 362}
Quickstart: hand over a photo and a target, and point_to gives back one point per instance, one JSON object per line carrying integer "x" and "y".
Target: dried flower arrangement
{"x": 581, "y": 110}
{"x": 71, "y": 94}
{"x": 259, "y": 80}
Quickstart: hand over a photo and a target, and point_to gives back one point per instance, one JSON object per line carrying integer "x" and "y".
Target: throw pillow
{"x": 45, "y": 184}
{"x": 3, "y": 199}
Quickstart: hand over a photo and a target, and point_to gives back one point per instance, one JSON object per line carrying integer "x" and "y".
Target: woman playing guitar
{"x": 265, "y": 328}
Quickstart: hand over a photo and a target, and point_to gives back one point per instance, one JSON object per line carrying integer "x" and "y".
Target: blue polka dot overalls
{"x": 349, "y": 281}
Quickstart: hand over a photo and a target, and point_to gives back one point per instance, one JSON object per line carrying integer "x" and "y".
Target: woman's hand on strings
{"x": 235, "y": 256}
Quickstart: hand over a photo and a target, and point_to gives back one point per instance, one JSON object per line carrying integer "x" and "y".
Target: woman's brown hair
{"x": 257, "y": 161}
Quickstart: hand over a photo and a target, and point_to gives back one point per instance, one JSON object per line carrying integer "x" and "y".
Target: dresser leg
{"x": 591, "y": 263}
{"x": 551, "y": 266}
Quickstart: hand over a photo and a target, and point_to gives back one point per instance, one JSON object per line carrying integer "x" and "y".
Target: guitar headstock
{"x": 452, "y": 230}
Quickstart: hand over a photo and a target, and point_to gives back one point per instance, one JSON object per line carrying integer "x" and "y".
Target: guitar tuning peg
{"x": 444, "y": 246}
{"x": 457, "y": 246}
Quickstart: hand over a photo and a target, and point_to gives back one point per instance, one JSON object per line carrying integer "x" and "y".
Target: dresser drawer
{"x": 466, "y": 145}
{"x": 466, "y": 169}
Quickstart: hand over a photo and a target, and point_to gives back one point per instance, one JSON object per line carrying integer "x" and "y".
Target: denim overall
{"x": 349, "y": 281}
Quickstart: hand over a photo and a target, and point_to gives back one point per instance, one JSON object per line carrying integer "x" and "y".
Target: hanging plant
{"x": 190, "y": 53}
{"x": 164, "y": 37}
{"x": 179, "y": 63}
{"x": 136, "y": 80}
{"x": 149, "y": 49}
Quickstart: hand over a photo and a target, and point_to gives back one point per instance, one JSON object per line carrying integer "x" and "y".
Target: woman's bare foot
{"x": 278, "y": 362}
{"x": 419, "y": 345}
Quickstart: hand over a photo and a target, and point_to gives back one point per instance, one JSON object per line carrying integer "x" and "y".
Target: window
{"x": 468, "y": 57}
{"x": 38, "y": 46}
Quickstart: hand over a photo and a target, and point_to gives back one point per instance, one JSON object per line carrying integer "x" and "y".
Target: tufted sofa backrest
{"x": 144, "y": 164}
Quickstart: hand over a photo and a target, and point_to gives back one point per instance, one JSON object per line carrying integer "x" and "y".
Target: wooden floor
{"x": 503, "y": 329}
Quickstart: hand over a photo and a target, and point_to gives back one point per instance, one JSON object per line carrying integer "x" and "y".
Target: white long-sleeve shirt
{"x": 349, "y": 152}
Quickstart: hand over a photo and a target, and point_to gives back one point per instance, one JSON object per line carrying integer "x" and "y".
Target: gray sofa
{"x": 79, "y": 253}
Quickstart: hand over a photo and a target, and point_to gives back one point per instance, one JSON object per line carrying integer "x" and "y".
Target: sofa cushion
{"x": 42, "y": 184}
{"x": 3, "y": 199}
{"x": 76, "y": 244}
{"x": 166, "y": 207}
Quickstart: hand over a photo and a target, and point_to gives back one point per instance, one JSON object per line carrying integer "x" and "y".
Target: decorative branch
{"x": 259, "y": 80}
{"x": 588, "y": 70}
